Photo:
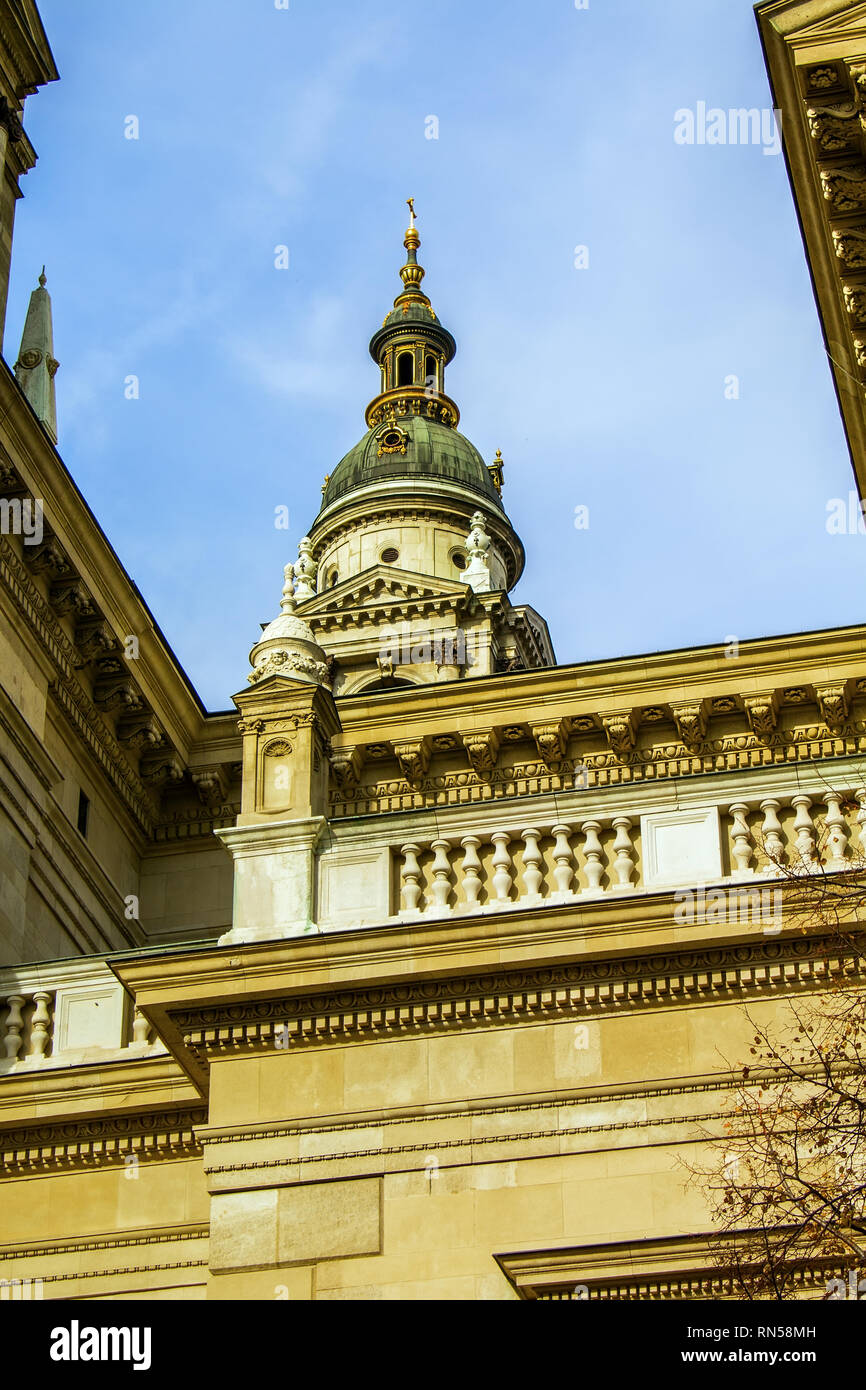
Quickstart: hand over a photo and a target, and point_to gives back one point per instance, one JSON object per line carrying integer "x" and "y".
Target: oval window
{"x": 390, "y": 556}
{"x": 458, "y": 560}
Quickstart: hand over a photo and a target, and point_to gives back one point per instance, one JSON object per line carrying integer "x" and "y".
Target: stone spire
{"x": 287, "y": 646}
{"x": 37, "y": 365}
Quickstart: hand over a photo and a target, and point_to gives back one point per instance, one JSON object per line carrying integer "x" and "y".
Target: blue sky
{"x": 603, "y": 387}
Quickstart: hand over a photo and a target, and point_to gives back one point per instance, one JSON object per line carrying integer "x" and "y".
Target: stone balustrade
{"x": 505, "y": 867}
{"x": 525, "y": 865}
{"x": 65, "y": 1014}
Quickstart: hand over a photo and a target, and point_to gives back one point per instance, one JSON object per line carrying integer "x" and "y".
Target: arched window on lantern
{"x": 405, "y": 369}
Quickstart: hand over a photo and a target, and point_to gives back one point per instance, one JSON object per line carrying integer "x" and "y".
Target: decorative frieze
{"x": 575, "y": 990}
{"x": 79, "y": 711}
{"x": 100, "y": 1142}
{"x": 733, "y": 753}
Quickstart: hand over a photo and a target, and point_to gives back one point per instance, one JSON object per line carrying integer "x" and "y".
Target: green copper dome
{"x": 412, "y": 448}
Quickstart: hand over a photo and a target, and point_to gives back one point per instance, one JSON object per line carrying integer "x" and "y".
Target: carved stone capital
{"x": 833, "y": 704}
{"x": 11, "y": 122}
{"x": 118, "y": 692}
{"x": 551, "y": 740}
{"x": 72, "y": 596}
{"x": 212, "y": 784}
{"x": 850, "y": 247}
{"x": 835, "y": 129}
{"x": 762, "y": 712}
{"x": 620, "y": 732}
{"x": 691, "y": 721}
{"x": 413, "y": 755}
{"x": 250, "y": 726}
{"x": 482, "y": 750}
{"x": 48, "y": 558}
{"x": 346, "y": 764}
{"x": 161, "y": 768}
{"x": 142, "y": 731}
{"x": 93, "y": 639}
{"x": 10, "y": 483}
{"x": 845, "y": 189}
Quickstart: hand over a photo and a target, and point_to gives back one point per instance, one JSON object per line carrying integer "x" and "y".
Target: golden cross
{"x": 411, "y": 202}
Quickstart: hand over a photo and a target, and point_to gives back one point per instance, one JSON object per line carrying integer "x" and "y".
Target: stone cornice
{"x": 575, "y": 991}
{"x": 677, "y": 1267}
{"x": 47, "y": 1096}
{"x": 90, "y": 555}
{"x": 622, "y": 765}
{"x": 26, "y": 55}
{"x": 97, "y": 1141}
{"x": 815, "y": 51}
{"x": 393, "y": 980}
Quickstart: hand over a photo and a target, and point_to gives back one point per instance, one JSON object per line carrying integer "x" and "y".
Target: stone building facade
{"x": 381, "y": 986}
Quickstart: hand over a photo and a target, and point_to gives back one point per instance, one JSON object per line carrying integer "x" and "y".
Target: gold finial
{"x": 411, "y": 202}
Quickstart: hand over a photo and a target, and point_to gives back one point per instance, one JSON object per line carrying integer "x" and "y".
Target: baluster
{"x": 140, "y": 1030}
{"x": 563, "y": 873}
{"x": 441, "y": 887}
{"x": 531, "y": 862}
{"x": 624, "y": 863}
{"x": 40, "y": 1026}
{"x": 837, "y": 831}
{"x": 805, "y": 830}
{"x": 861, "y": 818}
{"x": 502, "y": 879}
{"x": 410, "y": 874}
{"x": 771, "y": 833}
{"x": 594, "y": 868}
{"x": 471, "y": 871}
{"x": 14, "y": 1024}
{"x": 741, "y": 835}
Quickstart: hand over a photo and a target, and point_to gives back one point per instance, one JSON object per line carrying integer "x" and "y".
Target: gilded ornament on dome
{"x": 393, "y": 441}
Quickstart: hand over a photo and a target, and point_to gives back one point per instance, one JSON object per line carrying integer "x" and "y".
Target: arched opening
{"x": 385, "y": 683}
{"x": 405, "y": 369}
{"x": 431, "y": 374}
